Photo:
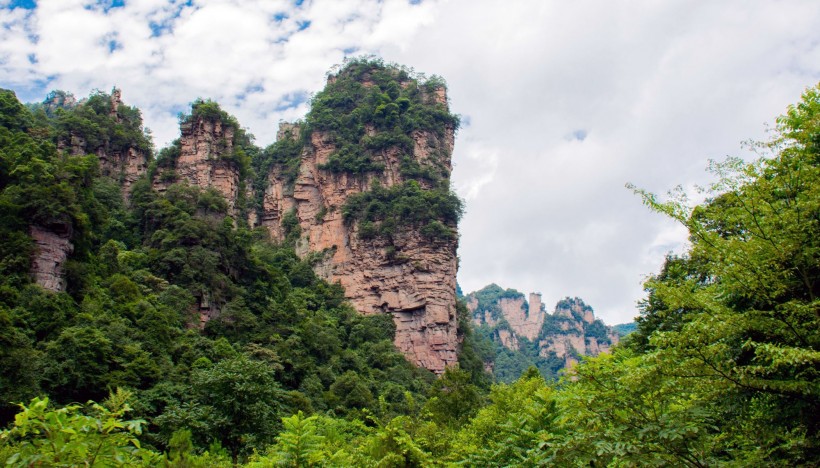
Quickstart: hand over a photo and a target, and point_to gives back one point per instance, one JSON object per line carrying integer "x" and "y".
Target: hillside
{"x": 293, "y": 277}
{"x": 524, "y": 334}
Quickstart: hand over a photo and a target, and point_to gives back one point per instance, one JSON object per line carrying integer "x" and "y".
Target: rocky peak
{"x": 116, "y": 102}
{"x": 509, "y": 312}
{"x": 58, "y": 100}
{"x": 122, "y": 160}
{"x": 376, "y": 141}
{"x": 569, "y": 332}
{"x": 536, "y": 306}
{"x": 409, "y": 272}
{"x": 573, "y": 331}
{"x": 205, "y": 158}
{"x": 288, "y": 130}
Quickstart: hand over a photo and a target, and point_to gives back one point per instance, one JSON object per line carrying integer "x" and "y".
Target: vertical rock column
{"x": 416, "y": 284}
{"x": 52, "y": 248}
{"x": 204, "y": 145}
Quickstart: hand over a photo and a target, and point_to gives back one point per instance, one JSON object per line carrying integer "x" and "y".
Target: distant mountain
{"x": 523, "y": 333}
{"x": 623, "y": 329}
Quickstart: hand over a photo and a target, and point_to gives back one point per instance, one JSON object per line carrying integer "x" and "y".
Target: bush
{"x": 405, "y": 205}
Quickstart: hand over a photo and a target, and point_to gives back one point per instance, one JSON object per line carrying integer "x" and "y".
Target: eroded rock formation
{"x": 124, "y": 163}
{"x": 52, "y": 248}
{"x": 578, "y": 333}
{"x": 410, "y": 276}
{"x": 569, "y": 332}
{"x": 205, "y": 150}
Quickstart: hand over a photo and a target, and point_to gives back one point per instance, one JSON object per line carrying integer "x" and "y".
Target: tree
{"x": 242, "y": 399}
{"x": 510, "y": 430}
{"x": 453, "y": 398}
{"x": 735, "y": 323}
{"x": 94, "y": 436}
{"x": 298, "y": 444}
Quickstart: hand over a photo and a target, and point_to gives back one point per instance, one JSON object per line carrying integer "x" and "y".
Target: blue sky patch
{"x": 577, "y": 135}
{"x": 106, "y": 5}
{"x": 303, "y": 25}
{"x": 158, "y": 29}
{"x": 25, "y": 4}
{"x": 35, "y": 91}
{"x": 292, "y": 100}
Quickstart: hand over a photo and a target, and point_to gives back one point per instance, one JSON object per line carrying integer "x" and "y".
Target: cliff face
{"x": 52, "y": 248}
{"x": 205, "y": 149}
{"x": 101, "y": 125}
{"x": 574, "y": 331}
{"x": 569, "y": 332}
{"x": 409, "y": 275}
{"x": 122, "y": 162}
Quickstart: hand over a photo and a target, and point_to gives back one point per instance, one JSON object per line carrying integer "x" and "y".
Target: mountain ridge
{"x": 551, "y": 341}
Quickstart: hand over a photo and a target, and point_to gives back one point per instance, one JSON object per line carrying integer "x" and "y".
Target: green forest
{"x": 722, "y": 368}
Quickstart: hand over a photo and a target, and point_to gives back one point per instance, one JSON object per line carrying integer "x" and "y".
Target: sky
{"x": 562, "y": 103}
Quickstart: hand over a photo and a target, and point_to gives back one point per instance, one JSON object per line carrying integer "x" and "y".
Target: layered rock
{"x": 206, "y": 147}
{"x": 124, "y": 164}
{"x": 524, "y": 320}
{"x": 521, "y": 318}
{"x": 52, "y": 248}
{"x": 410, "y": 276}
{"x": 575, "y": 332}
{"x": 570, "y": 332}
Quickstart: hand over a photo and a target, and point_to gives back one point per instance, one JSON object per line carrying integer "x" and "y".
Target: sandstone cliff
{"x": 101, "y": 125}
{"x": 306, "y": 182}
{"x": 407, "y": 275}
{"x": 52, "y": 246}
{"x": 122, "y": 157}
{"x": 570, "y": 332}
{"x": 206, "y": 148}
{"x": 573, "y": 331}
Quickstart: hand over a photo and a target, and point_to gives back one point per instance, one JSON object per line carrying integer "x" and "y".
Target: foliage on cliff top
{"x": 509, "y": 364}
{"x": 286, "y": 154}
{"x": 390, "y": 99}
{"x": 243, "y": 150}
{"x": 573, "y": 303}
{"x": 93, "y": 122}
{"x": 488, "y": 299}
{"x": 387, "y": 211}
{"x": 38, "y": 186}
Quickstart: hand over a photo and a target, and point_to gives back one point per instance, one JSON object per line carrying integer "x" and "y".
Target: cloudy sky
{"x": 562, "y": 102}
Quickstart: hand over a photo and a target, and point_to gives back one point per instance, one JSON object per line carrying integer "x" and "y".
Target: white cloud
{"x": 657, "y": 88}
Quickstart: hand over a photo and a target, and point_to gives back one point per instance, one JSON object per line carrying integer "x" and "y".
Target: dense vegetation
{"x": 366, "y": 110}
{"x": 390, "y": 100}
{"x": 388, "y": 211}
{"x": 139, "y": 279}
{"x": 722, "y": 369}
